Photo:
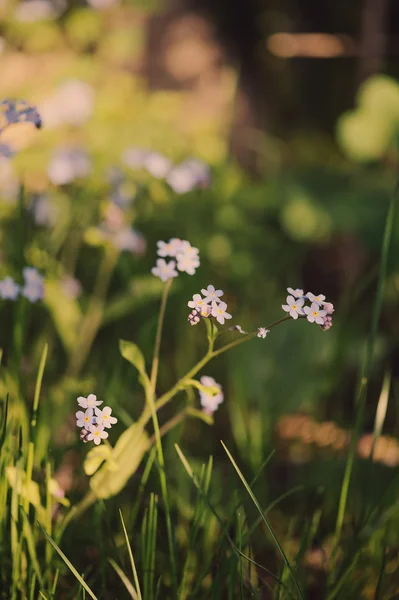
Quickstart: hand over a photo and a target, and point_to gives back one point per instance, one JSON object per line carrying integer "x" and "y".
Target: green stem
{"x": 150, "y": 404}
{"x": 155, "y": 360}
{"x": 206, "y": 359}
{"x": 366, "y": 369}
{"x": 33, "y": 431}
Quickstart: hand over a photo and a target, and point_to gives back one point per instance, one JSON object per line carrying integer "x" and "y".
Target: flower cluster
{"x": 210, "y": 400}
{"x": 93, "y": 420}
{"x": 208, "y": 305}
{"x": 182, "y": 178}
{"x": 32, "y": 288}
{"x": 185, "y": 255}
{"x": 318, "y": 312}
{"x": 18, "y": 111}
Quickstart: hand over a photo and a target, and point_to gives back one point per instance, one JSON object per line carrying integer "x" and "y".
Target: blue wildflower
{"x": 18, "y": 111}
{"x": 9, "y": 290}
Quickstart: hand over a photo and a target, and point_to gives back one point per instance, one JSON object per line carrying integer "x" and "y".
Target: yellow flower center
{"x": 315, "y": 313}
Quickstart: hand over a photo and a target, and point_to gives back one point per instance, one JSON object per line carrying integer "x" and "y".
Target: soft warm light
{"x": 314, "y": 45}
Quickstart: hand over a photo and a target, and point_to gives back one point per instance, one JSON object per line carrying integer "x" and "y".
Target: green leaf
{"x": 96, "y": 457}
{"x": 65, "y": 312}
{"x": 132, "y": 353}
{"x": 124, "y": 460}
{"x": 264, "y": 519}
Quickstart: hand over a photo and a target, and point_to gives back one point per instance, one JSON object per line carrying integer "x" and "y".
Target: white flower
{"x": 89, "y": 402}
{"x": 294, "y": 307}
{"x": 157, "y": 164}
{"x": 211, "y": 295}
{"x": 33, "y": 292}
{"x": 187, "y": 264}
{"x": 262, "y": 332}
{"x": 84, "y": 419}
{"x": 165, "y": 270}
{"x": 197, "y": 302}
{"x": 103, "y": 417}
{"x": 219, "y": 311}
{"x": 187, "y": 249}
{"x": 9, "y": 290}
{"x": 97, "y": 434}
{"x": 210, "y": 401}
{"x": 318, "y": 299}
{"x": 314, "y": 314}
{"x": 298, "y": 293}
{"x": 32, "y": 275}
{"x": 206, "y": 310}
{"x": 169, "y": 248}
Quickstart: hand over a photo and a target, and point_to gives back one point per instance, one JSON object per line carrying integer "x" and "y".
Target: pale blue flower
{"x": 89, "y": 402}
{"x": 212, "y": 295}
{"x": 219, "y": 312}
{"x": 294, "y": 306}
{"x": 84, "y": 419}
{"x": 9, "y": 290}
{"x": 314, "y": 314}
{"x": 319, "y": 299}
{"x": 104, "y": 418}
{"x": 165, "y": 270}
{"x": 210, "y": 401}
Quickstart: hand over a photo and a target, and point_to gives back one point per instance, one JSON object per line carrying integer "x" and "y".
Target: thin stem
{"x": 204, "y": 361}
{"x": 155, "y": 360}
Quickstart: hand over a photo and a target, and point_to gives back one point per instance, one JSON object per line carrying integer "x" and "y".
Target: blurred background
{"x": 266, "y": 134}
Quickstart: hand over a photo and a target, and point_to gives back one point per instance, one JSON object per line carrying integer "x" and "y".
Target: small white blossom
{"x": 318, "y": 299}
{"x": 262, "y": 332}
{"x": 84, "y": 419}
{"x": 206, "y": 310}
{"x": 298, "y": 293}
{"x": 294, "y": 307}
{"x": 187, "y": 250}
{"x": 89, "y": 402}
{"x": 157, "y": 164}
{"x": 169, "y": 248}
{"x": 211, "y": 295}
{"x": 9, "y": 290}
{"x": 197, "y": 302}
{"x": 314, "y": 314}
{"x": 219, "y": 311}
{"x": 97, "y": 434}
{"x": 103, "y": 417}
{"x": 210, "y": 401}
{"x": 164, "y": 270}
{"x": 187, "y": 264}
{"x": 32, "y": 276}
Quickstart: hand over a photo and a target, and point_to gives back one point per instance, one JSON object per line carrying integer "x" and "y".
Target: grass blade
{"x": 124, "y": 579}
{"x": 69, "y": 564}
{"x": 363, "y": 384}
{"x": 135, "y": 576}
{"x": 264, "y": 519}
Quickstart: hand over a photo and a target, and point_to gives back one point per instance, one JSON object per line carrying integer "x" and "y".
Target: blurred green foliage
{"x": 313, "y": 217}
